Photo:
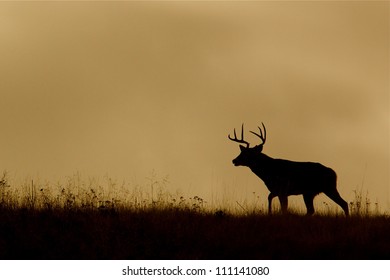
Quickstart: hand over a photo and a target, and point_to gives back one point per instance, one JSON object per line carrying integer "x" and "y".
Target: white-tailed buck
{"x": 284, "y": 177}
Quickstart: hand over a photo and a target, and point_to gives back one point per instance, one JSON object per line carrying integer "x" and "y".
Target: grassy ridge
{"x": 187, "y": 234}
{"x": 93, "y": 219}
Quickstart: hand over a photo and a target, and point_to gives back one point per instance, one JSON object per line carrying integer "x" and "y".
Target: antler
{"x": 263, "y": 138}
{"x": 242, "y": 141}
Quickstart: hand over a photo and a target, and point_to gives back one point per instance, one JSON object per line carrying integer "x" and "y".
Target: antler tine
{"x": 235, "y": 139}
{"x": 242, "y": 132}
{"x": 258, "y": 135}
{"x": 265, "y": 131}
{"x": 261, "y": 136}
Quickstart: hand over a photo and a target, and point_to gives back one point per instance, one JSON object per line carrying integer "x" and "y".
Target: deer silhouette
{"x": 284, "y": 177}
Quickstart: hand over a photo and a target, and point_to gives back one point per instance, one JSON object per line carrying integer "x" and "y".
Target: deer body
{"x": 284, "y": 177}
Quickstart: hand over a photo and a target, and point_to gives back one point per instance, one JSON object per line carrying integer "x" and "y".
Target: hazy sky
{"x": 125, "y": 88}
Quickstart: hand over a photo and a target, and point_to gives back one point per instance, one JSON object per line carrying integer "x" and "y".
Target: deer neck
{"x": 261, "y": 165}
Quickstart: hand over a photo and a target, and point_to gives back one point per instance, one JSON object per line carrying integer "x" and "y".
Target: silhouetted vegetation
{"x": 79, "y": 222}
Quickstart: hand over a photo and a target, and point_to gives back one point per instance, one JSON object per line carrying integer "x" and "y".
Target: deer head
{"x": 248, "y": 155}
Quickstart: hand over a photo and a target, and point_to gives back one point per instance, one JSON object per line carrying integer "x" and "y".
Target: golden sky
{"x": 124, "y": 88}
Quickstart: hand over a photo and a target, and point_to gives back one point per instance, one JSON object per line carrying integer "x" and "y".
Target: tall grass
{"x": 90, "y": 218}
{"x": 79, "y": 193}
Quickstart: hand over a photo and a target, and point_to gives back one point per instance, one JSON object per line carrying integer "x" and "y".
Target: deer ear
{"x": 259, "y": 148}
{"x": 242, "y": 148}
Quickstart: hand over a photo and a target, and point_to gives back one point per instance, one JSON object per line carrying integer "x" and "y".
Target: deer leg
{"x": 283, "y": 203}
{"x": 308, "y": 198}
{"x": 335, "y": 196}
{"x": 270, "y": 197}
